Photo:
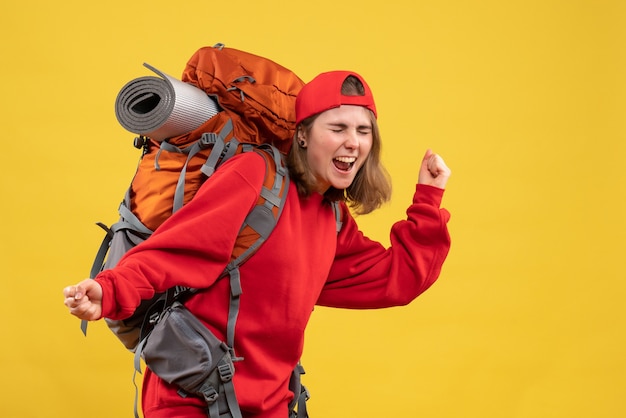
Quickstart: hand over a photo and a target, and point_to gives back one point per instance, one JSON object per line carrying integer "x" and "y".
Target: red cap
{"x": 324, "y": 93}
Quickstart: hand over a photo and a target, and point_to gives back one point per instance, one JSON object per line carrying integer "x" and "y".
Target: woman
{"x": 305, "y": 261}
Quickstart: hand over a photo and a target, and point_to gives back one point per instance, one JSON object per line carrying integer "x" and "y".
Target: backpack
{"x": 256, "y": 113}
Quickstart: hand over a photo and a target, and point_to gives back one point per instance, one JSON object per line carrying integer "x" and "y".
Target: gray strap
{"x": 233, "y": 309}
{"x": 231, "y": 148}
{"x": 137, "y": 364}
{"x": 166, "y": 146}
{"x": 262, "y": 220}
{"x": 231, "y": 399}
{"x": 131, "y": 221}
{"x": 302, "y": 398}
{"x": 214, "y": 410}
{"x": 271, "y": 197}
{"x": 281, "y": 168}
{"x": 179, "y": 194}
{"x": 98, "y": 262}
{"x": 226, "y": 371}
{"x": 83, "y": 326}
{"x": 207, "y": 139}
{"x": 137, "y": 357}
{"x": 281, "y": 174}
{"x": 242, "y": 95}
{"x": 208, "y": 168}
{"x": 218, "y": 142}
{"x": 295, "y": 387}
{"x": 248, "y": 78}
{"x": 300, "y": 393}
{"x": 337, "y": 210}
{"x": 157, "y": 167}
{"x": 135, "y": 409}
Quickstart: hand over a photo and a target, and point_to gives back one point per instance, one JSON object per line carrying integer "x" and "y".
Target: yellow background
{"x": 525, "y": 99}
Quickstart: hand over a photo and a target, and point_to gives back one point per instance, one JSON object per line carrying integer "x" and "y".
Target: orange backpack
{"x": 256, "y": 113}
{"x": 256, "y": 99}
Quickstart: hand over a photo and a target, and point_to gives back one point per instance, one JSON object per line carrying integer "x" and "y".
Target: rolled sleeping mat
{"x": 162, "y": 107}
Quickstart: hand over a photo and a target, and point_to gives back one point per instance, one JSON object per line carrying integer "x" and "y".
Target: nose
{"x": 352, "y": 139}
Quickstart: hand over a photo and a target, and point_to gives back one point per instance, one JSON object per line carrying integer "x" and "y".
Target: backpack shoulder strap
{"x": 262, "y": 219}
{"x": 338, "y": 218}
{"x": 217, "y": 141}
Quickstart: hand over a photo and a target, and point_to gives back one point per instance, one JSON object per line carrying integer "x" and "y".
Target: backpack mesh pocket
{"x": 181, "y": 350}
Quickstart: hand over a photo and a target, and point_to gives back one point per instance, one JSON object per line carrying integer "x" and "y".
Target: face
{"x": 338, "y": 144}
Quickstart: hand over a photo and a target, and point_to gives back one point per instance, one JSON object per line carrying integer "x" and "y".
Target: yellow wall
{"x": 525, "y": 99}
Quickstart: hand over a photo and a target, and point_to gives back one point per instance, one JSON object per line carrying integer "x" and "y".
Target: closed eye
{"x": 337, "y": 127}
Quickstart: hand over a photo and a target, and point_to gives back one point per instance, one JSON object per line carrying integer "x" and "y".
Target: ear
{"x": 301, "y": 137}
{"x": 300, "y": 134}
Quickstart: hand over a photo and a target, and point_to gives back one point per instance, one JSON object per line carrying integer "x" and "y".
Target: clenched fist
{"x": 434, "y": 171}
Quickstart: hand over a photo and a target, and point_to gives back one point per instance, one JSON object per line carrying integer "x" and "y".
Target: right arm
{"x": 191, "y": 248}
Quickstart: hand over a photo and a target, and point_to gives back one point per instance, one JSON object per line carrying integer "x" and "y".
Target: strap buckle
{"x": 209, "y": 393}
{"x": 225, "y": 371}
{"x": 207, "y": 139}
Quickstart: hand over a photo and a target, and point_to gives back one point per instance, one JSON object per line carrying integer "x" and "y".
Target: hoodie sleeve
{"x": 193, "y": 246}
{"x": 364, "y": 274}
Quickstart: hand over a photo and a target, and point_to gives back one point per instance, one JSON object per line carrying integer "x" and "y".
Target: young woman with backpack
{"x": 305, "y": 262}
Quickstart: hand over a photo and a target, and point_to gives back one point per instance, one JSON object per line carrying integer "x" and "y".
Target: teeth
{"x": 348, "y": 160}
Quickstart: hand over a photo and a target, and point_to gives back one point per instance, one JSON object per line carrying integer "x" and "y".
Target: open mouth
{"x": 344, "y": 163}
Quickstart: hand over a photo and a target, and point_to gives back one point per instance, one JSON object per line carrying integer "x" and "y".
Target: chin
{"x": 342, "y": 185}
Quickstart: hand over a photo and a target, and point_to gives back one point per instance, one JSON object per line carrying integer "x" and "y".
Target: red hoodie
{"x": 304, "y": 262}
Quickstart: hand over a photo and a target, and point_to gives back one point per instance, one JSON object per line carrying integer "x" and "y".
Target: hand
{"x": 84, "y": 300}
{"x": 434, "y": 171}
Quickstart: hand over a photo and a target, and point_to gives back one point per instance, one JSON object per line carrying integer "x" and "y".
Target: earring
{"x": 302, "y": 144}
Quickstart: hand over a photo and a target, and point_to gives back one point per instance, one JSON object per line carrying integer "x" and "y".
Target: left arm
{"x": 364, "y": 274}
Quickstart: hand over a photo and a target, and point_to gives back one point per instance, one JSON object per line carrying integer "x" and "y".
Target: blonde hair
{"x": 371, "y": 186}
